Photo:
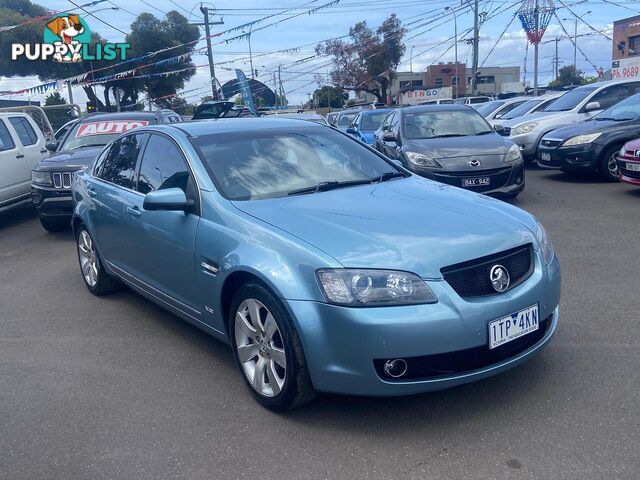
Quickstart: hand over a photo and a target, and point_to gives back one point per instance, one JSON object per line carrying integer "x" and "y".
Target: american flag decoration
{"x": 530, "y": 10}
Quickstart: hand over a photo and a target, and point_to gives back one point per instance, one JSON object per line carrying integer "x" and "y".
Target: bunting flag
{"x": 173, "y": 60}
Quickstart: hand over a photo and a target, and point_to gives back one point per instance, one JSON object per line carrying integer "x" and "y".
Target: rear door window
{"x": 6, "y": 142}
{"x": 25, "y": 131}
{"x": 119, "y": 164}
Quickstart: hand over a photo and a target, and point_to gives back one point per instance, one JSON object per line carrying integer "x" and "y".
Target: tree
{"x": 368, "y": 62}
{"x": 59, "y": 116}
{"x": 569, "y": 76}
{"x": 330, "y": 96}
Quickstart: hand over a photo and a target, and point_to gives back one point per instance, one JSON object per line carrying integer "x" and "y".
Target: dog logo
{"x": 68, "y": 30}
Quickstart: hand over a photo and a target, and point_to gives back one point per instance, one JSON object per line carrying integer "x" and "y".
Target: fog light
{"x": 395, "y": 368}
{"x": 36, "y": 199}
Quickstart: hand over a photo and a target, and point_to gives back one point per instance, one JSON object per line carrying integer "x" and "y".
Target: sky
{"x": 300, "y": 80}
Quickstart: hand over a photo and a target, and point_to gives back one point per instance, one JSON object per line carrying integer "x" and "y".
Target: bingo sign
{"x": 414, "y": 97}
{"x": 109, "y": 127}
{"x": 625, "y": 68}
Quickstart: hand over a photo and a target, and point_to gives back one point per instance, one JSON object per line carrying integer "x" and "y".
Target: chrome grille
{"x": 62, "y": 180}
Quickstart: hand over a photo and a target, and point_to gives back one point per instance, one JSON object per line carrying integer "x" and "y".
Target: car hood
{"x": 410, "y": 224}
{"x": 69, "y": 159}
{"x": 591, "y": 126}
{"x": 451, "y": 147}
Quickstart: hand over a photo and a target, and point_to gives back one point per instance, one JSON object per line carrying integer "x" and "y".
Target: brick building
{"x": 626, "y": 38}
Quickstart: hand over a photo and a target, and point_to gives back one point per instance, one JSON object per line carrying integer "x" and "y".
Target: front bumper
{"x": 505, "y": 180}
{"x": 527, "y": 143}
{"x": 579, "y": 158}
{"x": 341, "y": 343}
{"x": 52, "y": 203}
{"x": 628, "y": 176}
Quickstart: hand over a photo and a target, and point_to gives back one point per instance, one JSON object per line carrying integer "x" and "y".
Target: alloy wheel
{"x": 612, "y": 165}
{"x": 88, "y": 258}
{"x": 260, "y": 348}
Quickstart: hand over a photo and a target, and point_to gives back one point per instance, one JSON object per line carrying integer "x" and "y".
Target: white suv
{"x": 22, "y": 145}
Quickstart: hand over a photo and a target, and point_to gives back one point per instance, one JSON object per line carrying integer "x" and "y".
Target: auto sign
{"x": 109, "y": 127}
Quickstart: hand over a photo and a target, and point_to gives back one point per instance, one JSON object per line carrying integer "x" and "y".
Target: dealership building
{"x": 626, "y": 48}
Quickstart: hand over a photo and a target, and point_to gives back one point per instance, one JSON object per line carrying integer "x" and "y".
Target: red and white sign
{"x": 625, "y": 68}
{"x": 109, "y": 127}
{"x": 413, "y": 97}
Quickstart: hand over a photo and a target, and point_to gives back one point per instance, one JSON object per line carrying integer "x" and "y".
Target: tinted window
{"x": 453, "y": 123}
{"x": 372, "y": 121}
{"x": 163, "y": 166}
{"x": 387, "y": 121}
{"x": 613, "y": 94}
{"x": 25, "y": 131}
{"x": 346, "y": 119}
{"x": 521, "y": 109}
{"x": 6, "y": 142}
{"x": 628, "y": 109}
{"x": 273, "y": 162}
{"x": 489, "y": 107}
{"x": 506, "y": 109}
{"x": 119, "y": 165}
{"x": 570, "y": 100}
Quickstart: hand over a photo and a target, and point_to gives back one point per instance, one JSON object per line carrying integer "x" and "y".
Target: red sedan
{"x": 629, "y": 162}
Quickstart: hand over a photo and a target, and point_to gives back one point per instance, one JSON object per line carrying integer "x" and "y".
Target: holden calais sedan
{"x": 452, "y": 144}
{"x": 324, "y": 265}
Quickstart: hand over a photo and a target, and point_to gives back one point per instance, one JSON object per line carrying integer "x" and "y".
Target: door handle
{"x": 44, "y": 150}
{"x": 20, "y": 155}
{"x": 134, "y": 211}
{"x": 91, "y": 192}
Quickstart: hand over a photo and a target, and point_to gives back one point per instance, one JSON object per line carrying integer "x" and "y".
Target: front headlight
{"x": 513, "y": 155}
{"x": 362, "y": 287}
{"x": 581, "y": 139}
{"x": 423, "y": 159}
{"x": 544, "y": 242}
{"x": 524, "y": 128}
{"x": 41, "y": 178}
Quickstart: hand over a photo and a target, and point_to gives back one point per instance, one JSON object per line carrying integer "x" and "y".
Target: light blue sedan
{"x": 325, "y": 266}
{"x": 366, "y": 123}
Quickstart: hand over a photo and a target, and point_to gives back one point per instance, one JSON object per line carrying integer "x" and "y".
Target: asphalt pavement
{"x": 117, "y": 388}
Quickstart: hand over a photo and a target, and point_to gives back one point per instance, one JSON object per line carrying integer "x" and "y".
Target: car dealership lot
{"x": 119, "y": 388}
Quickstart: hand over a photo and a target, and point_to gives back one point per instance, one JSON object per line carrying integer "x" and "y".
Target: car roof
{"x": 232, "y": 125}
{"x": 119, "y": 116}
{"x": 443, "y": 107}
{"x": 377, "y": 110}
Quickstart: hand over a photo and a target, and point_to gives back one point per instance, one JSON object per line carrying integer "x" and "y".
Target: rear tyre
{"x": 97, "y": 280}
{"x": 608, "y": 169}
{"x": 53, "y": 225}
{"x": 268, "y": 350}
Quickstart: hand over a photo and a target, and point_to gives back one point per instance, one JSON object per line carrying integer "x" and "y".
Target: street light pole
{"x": 575, "y": 38}
{"x": 411, "y": 67}
{"x": 455, "y": 46}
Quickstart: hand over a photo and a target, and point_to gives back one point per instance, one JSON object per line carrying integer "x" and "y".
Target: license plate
{"x": 513, "y": 326}
{"x": 545, "y": 157}
{"x": 634, "y": 167}
{"x": 476, "y": 182}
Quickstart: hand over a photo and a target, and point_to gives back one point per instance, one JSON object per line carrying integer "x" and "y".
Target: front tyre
{"x": 268, "y": 350}
{"x": 608, "y": 169}
{"x": 95, "y": 278}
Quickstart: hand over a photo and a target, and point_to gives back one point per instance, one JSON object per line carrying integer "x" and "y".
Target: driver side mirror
{"x": 591, "y": 106}
{"x": 170, "y": 199}
{"x": 352, "y": 131}
{"x": 52, "y": 145}
{"x": 389, "y": 137}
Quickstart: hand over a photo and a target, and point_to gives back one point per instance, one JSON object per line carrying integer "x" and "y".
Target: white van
{"x": 22, "y": 145}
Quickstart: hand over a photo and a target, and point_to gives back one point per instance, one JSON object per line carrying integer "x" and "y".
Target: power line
{"x": 97, "y": 18}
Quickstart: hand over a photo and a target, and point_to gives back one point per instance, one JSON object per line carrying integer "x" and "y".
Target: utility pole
{"x": 281, "y": 90}
{"x": 556, "y": 60}
{"x": 275, "y": 88}
{"x": 536, "y": 13}
{"x": 70, "y": 93}
{"x": 476, "y": 41}
{"x": 250, "y": 55}
{"x": 207, "y": 28}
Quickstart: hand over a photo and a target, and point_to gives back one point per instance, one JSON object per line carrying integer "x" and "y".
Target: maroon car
{"x": 629, "y": 162}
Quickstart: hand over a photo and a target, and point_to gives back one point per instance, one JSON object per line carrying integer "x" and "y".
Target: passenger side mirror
{"x": 170, "y": 199}
{"x": 591, "y": 106}
{"x": 389, "y": 137}
{"x": 52, "y": 145}
{"x": 352, "y": 131}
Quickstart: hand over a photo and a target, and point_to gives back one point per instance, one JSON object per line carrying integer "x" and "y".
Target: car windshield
{"x": 570, "y": 100}
{"x": 628, "y": 109}
{"x": 487, "y": 108}
{"x": 83, "y": 135}
{"x": 275, "y": 163}
{"x": 346, "y": 119}
{"x": 438, "y": 124}
{"x": 372, "y": 121}
{"x": 521, "y": 109}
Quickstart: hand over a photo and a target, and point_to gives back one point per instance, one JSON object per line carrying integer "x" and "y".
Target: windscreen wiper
{"x": 486, "y": 132}
{"x": 445, "y": 135}
{"x": 325, "y": 186}
{"x": 388, "y": 176}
